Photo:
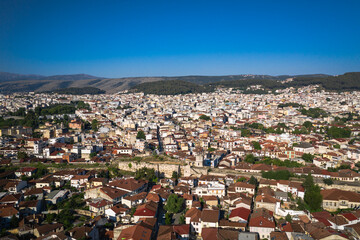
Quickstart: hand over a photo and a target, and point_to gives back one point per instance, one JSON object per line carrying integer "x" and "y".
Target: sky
{"x": 123, "y": 38}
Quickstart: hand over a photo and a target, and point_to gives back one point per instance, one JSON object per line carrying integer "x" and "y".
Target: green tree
{"x": 211, "y": 149}
{"x": 66, "y": 217}
{"x": 307, "y": 124}
{"x": 242, "y": 179}
{"x": 50, "y": 217}
{"x": 288, "y": 218}
{"x": 132, "y": 211}
{"x": 277, "y": 175}
{"x": 175, "y": 175}
{"x": 168, "y": 218}
{"x": 309, "y": 182}
{"x": 313, "y": 197}
{"x": 336, "y": 132}
{"x": 245, "y": 132}
{"x": 256, "y": 145}
{"x": 328, "y": 181}
{"x": 250, "y": 158}
{"x": 95, "y": 125}
{"x": 146, "y": 173}
{"x": 140, "y": 135}
{"x": 253, "y": 180}
{"x": 308, "y": 157}
{"x": 182, "y": 219}
{"x": 22, "y": 155}
{"x": 14, "y": 222}
{"x": 204, "y": 117}
{"x": 174, "y": 204}
{"x": 93, "y": 154}
{"x": 314, "y": 112}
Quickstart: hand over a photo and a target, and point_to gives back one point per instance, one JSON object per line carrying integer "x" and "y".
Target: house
{"x": 192, "y": 181}
{"x": 219, "y": 234}
{"x": 249, "y": 236}
{"x": 354, "y": 229}
{"x": 188, "y": 200}
{"x": 147, "y": 210}
{"x": 30, "y": 207}
{"x": 84, "y": 232}
{"x": 96, "y": 182}
{"x": 211, "y": 201}
{"x": 223, "y": 223}
{"x": 123, "y": 150}
{"x": 133, "y": 200}
{"x": 6, "y": 213}
{"x": 239, "y": 214}
{"x": 245, "y": 187}
{"x": 79, "y": 180}
{"x": 278, "y": 236}
{"x": 304, "y": 147}
{"x": 136, "y": 232}
{"x": 345, "y": 175}
{"x": 192, "y": 217}
{"x": 211, "y": 189}
{"x": 262, "y": 222}
{"x": 338, "y": 222}
{"x": 181, "y": 232}
{"x": 130, "y": 185}
{"x": 14, "y": 186}
{"x": 266, "y": 201}
{"x": 12, "y": 199}
{"x": 76, "y": 124}
{"x": 116, "y": 212}
{"x": 153, "y": 197}
{"x": 25, "y": 171}
{"x": 56, "y": 196}
{"x": 334, "y": 199}
{"x": 99, "y": 206}
{"x": 34, "y": 192}
{"x": 209, "y": 219}
{"x": 48, "y": 228}
{"x": 111, "y": 194}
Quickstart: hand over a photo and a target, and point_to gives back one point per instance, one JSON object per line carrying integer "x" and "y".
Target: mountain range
{"x": 12, "y": 82}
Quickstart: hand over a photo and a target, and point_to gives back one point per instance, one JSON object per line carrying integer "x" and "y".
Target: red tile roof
{"x": 240, "y": 212}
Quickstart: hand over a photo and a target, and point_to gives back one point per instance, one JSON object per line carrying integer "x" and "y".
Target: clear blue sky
{"x": 179, "y": 37}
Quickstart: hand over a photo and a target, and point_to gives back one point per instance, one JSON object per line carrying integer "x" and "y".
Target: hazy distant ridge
{"x": 5, "y": 76}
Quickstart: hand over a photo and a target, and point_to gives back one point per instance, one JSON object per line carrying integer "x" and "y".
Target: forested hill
{"x": 346, "y": 82}
{"x": 79, "y": 91}
{"x": 172, "y": 87}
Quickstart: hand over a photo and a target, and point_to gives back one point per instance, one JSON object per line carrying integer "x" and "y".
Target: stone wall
{"x": 161, "y": 169}
{"x": 344, "y": 187}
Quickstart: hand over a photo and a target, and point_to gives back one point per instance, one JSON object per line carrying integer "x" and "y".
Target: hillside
{"x": 79, "y": 91}
{"x": 348, "y": 81}
{"x": 345, "y": 82}
{"x": 171, "y": 87}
